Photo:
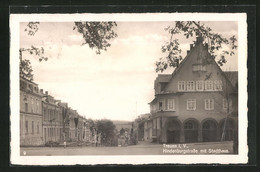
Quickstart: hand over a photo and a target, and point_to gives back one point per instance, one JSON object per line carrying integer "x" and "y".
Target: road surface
{"x": 143, "y": 148}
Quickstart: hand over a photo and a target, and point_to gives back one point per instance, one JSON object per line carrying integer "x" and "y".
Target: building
{"x": 30, "y": 113}
{"x": 196, "y": 103}
{"x": 86, "y": 135}
{"x": 52, "y": 119}
{"x": 44, "y": 119}
{"x": 73, "y": 125}
{"x": 66, "y": 121}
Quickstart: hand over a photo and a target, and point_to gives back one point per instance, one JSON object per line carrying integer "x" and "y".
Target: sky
{"x": 119, "y": 83}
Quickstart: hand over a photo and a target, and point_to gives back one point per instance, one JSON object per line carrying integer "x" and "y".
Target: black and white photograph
{"x": 128, "y": 88}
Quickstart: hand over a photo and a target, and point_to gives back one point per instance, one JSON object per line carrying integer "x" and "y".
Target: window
{"x": 209, "y": 104}
{"x": 26, "y": 127}
{"x": 45, "y": 114}
{"x": 154, "y": 123}
{"x": 171, "y": 104}
{"x": 218, "y": 85}
{"x": 206, "y": 126}
{"x": 209, "y": 85}
{"x": 26, "y": 107}
{"x": 32, "y": 127}
{"x": 199, "y": 85}
{"x": 181, "y": 86}
{"x": 23, "y": 85}
{"x": 188, "y": 126}
{"x": 160, "y": 105}
{"x": 191, "y": 104}
{"x": 31, "y": 87}
{"x": 198, "y": 67}
{"x": 38, "y": 128}
{"x": 36, "y": 106}
{"x": 32, "y": 105}
{"x": 190, "y": 85}
{"x": 225, "y": 104}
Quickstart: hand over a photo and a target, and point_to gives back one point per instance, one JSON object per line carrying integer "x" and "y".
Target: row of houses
{"x": 44, "y": 119}
{"x": 198, "y": 102}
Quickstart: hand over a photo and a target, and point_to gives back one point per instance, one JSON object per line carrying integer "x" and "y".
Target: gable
{"x": 188, "y": 69}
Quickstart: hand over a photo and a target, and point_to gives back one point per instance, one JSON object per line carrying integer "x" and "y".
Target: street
{"x": 142, "y": 148}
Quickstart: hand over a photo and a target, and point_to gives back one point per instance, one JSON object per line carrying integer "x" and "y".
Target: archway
{"x": 209, "y": 131}
{"x": 191, "y": 130}
{"x": 173, "y": 131}
{"x": 227, "y": 129}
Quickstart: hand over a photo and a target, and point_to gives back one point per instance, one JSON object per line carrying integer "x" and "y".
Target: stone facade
{"x": 190, "y": 105}
{"x": 30, "y": 113}
{"x": 44, "y": 119}
{"x": 52, "y": 119}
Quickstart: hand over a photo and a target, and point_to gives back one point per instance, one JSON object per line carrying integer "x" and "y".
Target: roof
{"x": 22, "y": 78}
{"x": 164, "y": 77}
{"x": 153, "y": 101}
{"x": 232, "y": 76}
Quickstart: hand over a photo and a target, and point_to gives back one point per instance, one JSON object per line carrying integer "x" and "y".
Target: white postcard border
{"x": 242, "y": 157}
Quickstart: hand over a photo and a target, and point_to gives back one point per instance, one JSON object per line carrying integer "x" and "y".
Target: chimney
{"x": 46, "y": 92}
{"x": 41, "y": 90}
{"x": 191, "y": 46}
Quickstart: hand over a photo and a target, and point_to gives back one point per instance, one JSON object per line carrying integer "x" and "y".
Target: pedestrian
{"x": 64, "y": 144}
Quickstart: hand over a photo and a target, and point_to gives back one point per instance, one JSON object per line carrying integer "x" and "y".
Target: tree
{"x": 215, "y": 42}
{"x": 107, "y": 130}
{"x": 91, "y": 124}
{"x": 96, "y": 34}
{"x": 228, "y": 92}
{"x": 122, "y": 131}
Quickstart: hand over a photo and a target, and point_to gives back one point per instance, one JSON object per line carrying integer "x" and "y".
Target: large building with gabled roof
{"x": 198, "y": 102}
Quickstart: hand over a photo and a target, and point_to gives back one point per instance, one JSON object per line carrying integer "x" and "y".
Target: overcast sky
{"x": 119, "y": 83}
